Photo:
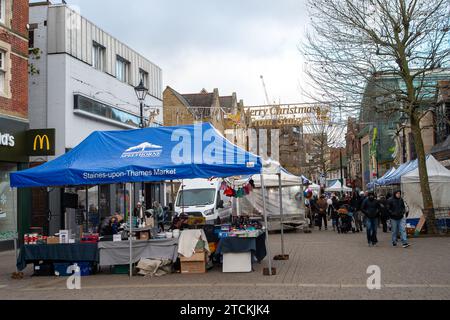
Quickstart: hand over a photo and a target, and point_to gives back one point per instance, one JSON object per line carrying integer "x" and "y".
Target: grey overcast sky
{"x": 225, "y": 44}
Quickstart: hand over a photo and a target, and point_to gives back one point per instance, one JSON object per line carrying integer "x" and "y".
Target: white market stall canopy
{"x": 337, "y": 187}
{"x": 439, "y": 179}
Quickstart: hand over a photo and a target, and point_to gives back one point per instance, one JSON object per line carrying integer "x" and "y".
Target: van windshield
{"x": 198, "y": 197}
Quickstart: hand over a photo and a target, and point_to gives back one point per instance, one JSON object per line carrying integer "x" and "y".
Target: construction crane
{"x": 265, "y": 90}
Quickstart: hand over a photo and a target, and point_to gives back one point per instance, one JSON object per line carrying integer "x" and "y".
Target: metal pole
{"x": 342, "y": 169}
{"x": 16, "y": 231}
{"x": 281, "y": 213}
{"x": 265, "y": 222}
{"x": 141, "y": 125}
{"x": 130, "y": 238}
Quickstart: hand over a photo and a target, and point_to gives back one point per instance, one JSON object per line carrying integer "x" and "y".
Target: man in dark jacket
{"x": 371, "y": 209}
{"x": 397, "y": 212}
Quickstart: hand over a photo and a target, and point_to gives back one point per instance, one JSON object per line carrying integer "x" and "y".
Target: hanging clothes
{"x": 223, "y": 186}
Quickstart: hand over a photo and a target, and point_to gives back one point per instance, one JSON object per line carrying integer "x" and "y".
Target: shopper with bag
{"x": 398, "y": 213}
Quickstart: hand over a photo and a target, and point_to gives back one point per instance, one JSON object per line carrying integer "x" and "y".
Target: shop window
{"x": 93, "y": 209}
{"x": 106, "y": 111}
{"x": 123, "y": 199}
{"x": 104, "y": 204}
{"x": 2, "y": 72}
{"x": 8, "y": 203}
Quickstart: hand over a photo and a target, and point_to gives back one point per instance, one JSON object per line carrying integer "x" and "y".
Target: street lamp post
{"x": 141, "y": 93}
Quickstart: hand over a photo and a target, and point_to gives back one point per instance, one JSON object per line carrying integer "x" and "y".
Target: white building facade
{"x": 82, "y": 80}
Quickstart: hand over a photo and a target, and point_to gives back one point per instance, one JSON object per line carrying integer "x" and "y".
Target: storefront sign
{"x": 13, "y": 140}
{"x": 41, "y": 142}
{"x": 287, "y": 115}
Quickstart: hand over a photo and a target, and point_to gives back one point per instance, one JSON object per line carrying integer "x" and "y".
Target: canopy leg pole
{"x": 266, "y": 224}
{"x": 16, "y": 233}
{"x": 281, "y": 213}
{"x": 130, "y": 238}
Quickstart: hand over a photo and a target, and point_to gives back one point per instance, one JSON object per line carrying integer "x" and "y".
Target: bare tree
{"x": 355, "y": 46}
{"x": 326, "y": 133}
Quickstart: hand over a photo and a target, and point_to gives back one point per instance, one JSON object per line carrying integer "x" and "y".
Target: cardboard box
{"x": 53, "y": 240}
{"x": 195, "y": 264}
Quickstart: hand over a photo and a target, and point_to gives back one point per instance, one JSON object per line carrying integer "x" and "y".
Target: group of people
{"x": 364, "y": 210}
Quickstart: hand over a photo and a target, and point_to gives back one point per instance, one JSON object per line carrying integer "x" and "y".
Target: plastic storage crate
{"x": 61, "y": 269}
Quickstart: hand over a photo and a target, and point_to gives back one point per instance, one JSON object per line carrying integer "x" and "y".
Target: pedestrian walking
{"x": 371, "y": 210}
{"x": 356, "y": 203}
{"x": 384, "y": 213}
{"x": 322, "y": 207}
{"x": 334, "y": 215}
{"x": 398, "y": 214}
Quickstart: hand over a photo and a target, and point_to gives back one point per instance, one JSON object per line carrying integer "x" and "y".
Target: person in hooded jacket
{"x": 398, "y": 215}
{"x": 371, "y": 210}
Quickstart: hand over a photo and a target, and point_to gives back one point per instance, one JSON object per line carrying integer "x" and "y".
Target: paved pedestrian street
{"x": 322, "y": 265}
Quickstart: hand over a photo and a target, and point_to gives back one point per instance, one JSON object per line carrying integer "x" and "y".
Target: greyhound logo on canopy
{"x": 144, "y": 150}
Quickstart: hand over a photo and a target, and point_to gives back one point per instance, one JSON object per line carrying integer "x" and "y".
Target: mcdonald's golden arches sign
{"x": 41, "y": 142}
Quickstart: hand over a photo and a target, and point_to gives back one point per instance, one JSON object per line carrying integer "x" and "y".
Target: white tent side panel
{"x": 413, "y": 196}
{"x": 439, "y": 178}
{"x": 291, "y": 206}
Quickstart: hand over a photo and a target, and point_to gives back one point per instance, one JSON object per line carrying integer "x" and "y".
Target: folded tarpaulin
{"x": 143, "y": 155}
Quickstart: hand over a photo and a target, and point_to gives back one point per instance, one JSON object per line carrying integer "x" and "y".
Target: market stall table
{"x": 242, "y": 251}
{"x": 74, "y": 252}
{"x": 118, "y": 253}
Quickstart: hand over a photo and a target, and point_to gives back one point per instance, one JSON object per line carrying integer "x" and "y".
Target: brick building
{"x": 14, "y": 122}
{"x": 225, "y": 113}
{"x": 14, "y": 58}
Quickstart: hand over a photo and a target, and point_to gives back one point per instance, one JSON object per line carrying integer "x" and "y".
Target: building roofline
{"x": 56, "y": 5}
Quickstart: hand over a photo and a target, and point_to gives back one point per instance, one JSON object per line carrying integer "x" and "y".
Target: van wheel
{"x": 218, "y": 221}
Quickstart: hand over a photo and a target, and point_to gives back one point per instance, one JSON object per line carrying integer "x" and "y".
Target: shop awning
{"x": 143, "y": 155}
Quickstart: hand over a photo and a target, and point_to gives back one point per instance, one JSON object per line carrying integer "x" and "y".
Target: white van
{"x": 203, "y": 198}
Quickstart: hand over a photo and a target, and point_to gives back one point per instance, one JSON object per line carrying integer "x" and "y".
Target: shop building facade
{"x": 13, "y": 114}
{"x": 82, "y": 80}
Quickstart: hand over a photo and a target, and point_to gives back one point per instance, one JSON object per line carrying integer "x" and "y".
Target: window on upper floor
{"x": 122, "y": 69}
{"x": 143, "y": 76}
{"x": 2, "y": 11}
{"x": 98, "y": 56}
{"x": 2, "y": 72}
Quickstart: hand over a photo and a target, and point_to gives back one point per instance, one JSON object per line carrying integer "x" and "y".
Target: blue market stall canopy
{"x": 143, "y": 155}
{"x": 394, "y": 177}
